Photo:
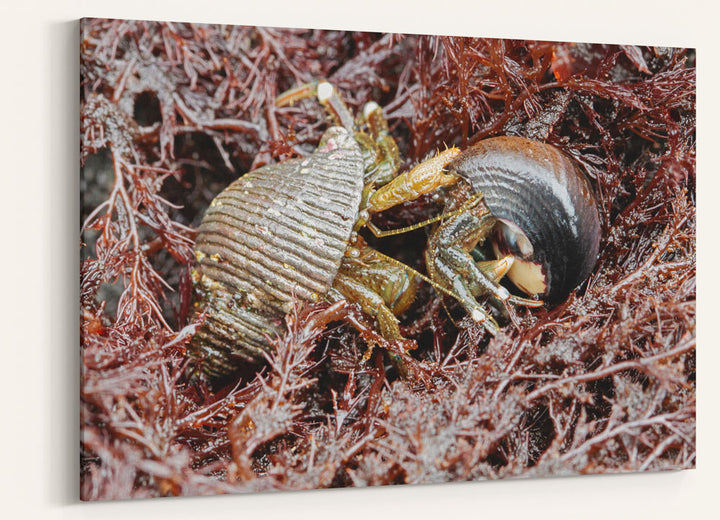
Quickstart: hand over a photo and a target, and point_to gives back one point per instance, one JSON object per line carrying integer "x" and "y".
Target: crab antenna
{"x": 380, "y": 233}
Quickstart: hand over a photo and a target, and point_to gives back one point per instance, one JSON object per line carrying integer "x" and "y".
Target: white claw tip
{"x": 478, "y": 316}
{"x": 369, "y": 108}
{"x": 324, "y": 91}
{"x": 502, "y": 293}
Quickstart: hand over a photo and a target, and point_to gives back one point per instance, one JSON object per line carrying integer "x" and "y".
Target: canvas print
{"x": 316, "y": 258}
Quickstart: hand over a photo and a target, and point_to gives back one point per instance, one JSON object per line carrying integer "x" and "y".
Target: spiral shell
{"x": 276, "y": 234}
{"x": 537, "y": 188}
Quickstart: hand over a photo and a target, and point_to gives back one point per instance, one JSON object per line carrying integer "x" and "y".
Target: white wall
{"x": 38, "y": 426}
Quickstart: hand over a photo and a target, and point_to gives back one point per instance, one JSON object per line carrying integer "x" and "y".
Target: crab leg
{"x": 328, "y": 97}
{"x": 381, "y": 154}
{"x": 383, "y": 160}
{"x": 450, "y": 264}
{"x": 457, "y": 282}
{"x": 371, "y": 303}
{"x": 449, "y": 248}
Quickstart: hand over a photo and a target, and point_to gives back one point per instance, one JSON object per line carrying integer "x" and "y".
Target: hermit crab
{"x": 527, "y": 202}
{"x": 288, "y": 231}
{"x": 291, "y": 231}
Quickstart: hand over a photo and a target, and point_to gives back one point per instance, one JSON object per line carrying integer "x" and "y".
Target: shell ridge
{"x": 299, "y": 242}
{"x": 293, "y": 273}
{"x": 326, "y": 215}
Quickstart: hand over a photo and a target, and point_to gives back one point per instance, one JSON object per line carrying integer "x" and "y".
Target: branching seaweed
{"x": 605, "y": 382}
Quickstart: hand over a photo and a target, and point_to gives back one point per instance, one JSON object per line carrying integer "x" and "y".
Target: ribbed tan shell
{"x": 277, "y": 233}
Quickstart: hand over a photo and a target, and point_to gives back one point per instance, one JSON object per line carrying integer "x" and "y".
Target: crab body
{"x": 285, "y": 233}
{"x": 289, "y": 232}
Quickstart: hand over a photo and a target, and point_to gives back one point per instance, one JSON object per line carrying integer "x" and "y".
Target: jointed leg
{"x": 371, "y": 303}
{"x": 382, "y": 156}
{"x": 450, "y": 264}
{"x": 386, "y": 162}
{"x": 327, "y": 96}
{"x": 382, "y": 286}
{"x": 452, "y": 259}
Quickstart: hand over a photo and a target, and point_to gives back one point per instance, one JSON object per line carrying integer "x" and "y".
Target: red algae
{"x": 171, "y": 113}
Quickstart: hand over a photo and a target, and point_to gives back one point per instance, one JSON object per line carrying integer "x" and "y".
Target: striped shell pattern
{"x": 275, "y": 235}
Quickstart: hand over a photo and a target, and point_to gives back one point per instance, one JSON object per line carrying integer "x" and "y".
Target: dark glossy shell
{"x": 276, "y": 234}
{"x": 546, "y": 194}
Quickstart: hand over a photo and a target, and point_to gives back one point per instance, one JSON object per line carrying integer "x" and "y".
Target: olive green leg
{"x": 386, "y": 161}
{"x": 450, "y": 264}
{"x": 328, "y": 97}
{"x": 371, "y": 303}
{"x": 450, "y": 269}
{"x": 381, "y": 154}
